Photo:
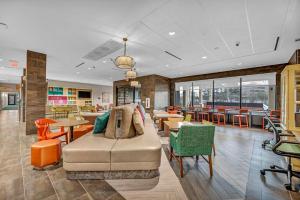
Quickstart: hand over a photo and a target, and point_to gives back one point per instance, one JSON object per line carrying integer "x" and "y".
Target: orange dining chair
{"x": 172, "y": 111}
{"x": 243, "y": 114}
{"x": 204, "y": 114}
{"x": 44, "y": 132}
{"x": 220, "y": 114}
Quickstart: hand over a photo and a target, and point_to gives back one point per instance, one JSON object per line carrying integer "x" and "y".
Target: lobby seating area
{"x": 150, "y": 100}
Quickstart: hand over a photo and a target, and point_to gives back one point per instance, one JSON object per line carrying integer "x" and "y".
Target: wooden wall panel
{"x": 295, "y": 59}
{"x": 36, "y": 89}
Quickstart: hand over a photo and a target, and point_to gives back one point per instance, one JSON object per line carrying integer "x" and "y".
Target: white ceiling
{"x": 67, "y": 30}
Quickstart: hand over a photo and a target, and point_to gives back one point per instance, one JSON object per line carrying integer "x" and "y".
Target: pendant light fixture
{"x": 134, "y": 84}
{"x": 131, "y": 74}
{"x": 124, "y": 62}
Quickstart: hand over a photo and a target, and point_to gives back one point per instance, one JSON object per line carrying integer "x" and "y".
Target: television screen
{"x": 84, "y": 94}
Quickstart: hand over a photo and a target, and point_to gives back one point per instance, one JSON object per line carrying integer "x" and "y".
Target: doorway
{"x": 11, "y": 99}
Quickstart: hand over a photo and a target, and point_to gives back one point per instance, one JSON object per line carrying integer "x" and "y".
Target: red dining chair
{"x": 44, "y": 132}
{"x": 243, "y": 114}
{"x": 204, "y": 114}
{"x": 172, "y": 111}
{"x": 220, "y": 114}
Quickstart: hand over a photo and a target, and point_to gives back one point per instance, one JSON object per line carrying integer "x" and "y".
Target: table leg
{"x": 71, "y": 133}
{"x": 166, "y": 130}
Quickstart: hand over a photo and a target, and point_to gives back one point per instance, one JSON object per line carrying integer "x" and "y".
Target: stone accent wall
{"x": 36, "y": 89}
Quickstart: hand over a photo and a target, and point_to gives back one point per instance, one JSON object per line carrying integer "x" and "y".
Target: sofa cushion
{"x": 138, "y": 122}
{"x": 89, "y": 148}
{"x": 124, "y": 127}
{"x": 144, "y": 149}
{"x": 101, "y": 123}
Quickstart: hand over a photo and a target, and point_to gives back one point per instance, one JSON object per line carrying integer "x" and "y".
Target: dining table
{"x": 70, "y": 123}
{"x": 164, "y": 117}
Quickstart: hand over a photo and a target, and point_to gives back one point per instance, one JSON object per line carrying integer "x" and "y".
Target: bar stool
{"x": 243, "y": 115}
{"x": 204, "y": 114}
{"x": 274, "y": 116}
{"x": 220, "y": 114}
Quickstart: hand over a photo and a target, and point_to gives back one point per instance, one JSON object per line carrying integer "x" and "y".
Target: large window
{"x": 183, "y": 94}
{"x": 258, "y": 91}
{"x": 227, "y": 92}
{"x": 203, "y": 93}
{"x": 254, "y": 92}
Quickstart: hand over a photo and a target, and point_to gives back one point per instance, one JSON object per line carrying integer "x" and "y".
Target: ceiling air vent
{"x": 79, "y": 65}
{"x": 172, "y": 55}
{"x": 276, "y": 44}
{"x": 105, "y": 49}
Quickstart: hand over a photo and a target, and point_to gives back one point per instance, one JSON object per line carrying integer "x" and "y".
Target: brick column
{"x": 35, "y": 94}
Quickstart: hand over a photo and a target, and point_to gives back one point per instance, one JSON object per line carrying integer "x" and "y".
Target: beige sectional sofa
{"x": 96, "y": 157}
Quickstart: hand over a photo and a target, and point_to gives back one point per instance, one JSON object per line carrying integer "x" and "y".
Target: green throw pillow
{"x": 101, "y": 123}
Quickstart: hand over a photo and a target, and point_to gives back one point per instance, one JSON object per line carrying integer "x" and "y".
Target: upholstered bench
{"x": 93, "y": 156}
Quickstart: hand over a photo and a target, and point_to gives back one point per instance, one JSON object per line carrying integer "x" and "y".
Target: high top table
{"x": 69, "y": 123}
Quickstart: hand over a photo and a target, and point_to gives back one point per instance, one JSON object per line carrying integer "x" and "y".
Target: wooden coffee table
{"x": 173, "y": 126}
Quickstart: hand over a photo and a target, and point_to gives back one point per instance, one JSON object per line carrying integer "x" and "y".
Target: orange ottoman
{"x": 45, "y": 153}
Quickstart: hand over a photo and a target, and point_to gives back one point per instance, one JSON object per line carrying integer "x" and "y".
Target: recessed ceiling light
{"x": 104, "y": 61}
{"x": 90, "y": 68}
{"x": 172, "y": 33}
{"x": 204, "y": 57}
{"x": 239, "y": 64}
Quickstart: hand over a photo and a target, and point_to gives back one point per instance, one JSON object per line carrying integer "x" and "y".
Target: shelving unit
{"x": 65, "y": 96}
{"x": 290, "y": 97}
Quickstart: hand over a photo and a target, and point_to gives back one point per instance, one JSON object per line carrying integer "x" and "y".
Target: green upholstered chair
{"x": 192, "y": 140}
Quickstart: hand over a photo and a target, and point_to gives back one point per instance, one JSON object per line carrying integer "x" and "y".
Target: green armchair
{"x": 192, "y": 140}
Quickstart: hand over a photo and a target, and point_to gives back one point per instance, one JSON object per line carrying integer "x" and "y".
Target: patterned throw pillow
{"x": 138, "y": 122}
{"x": 141, "y": 112}
{"x": 120, "y": 123}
